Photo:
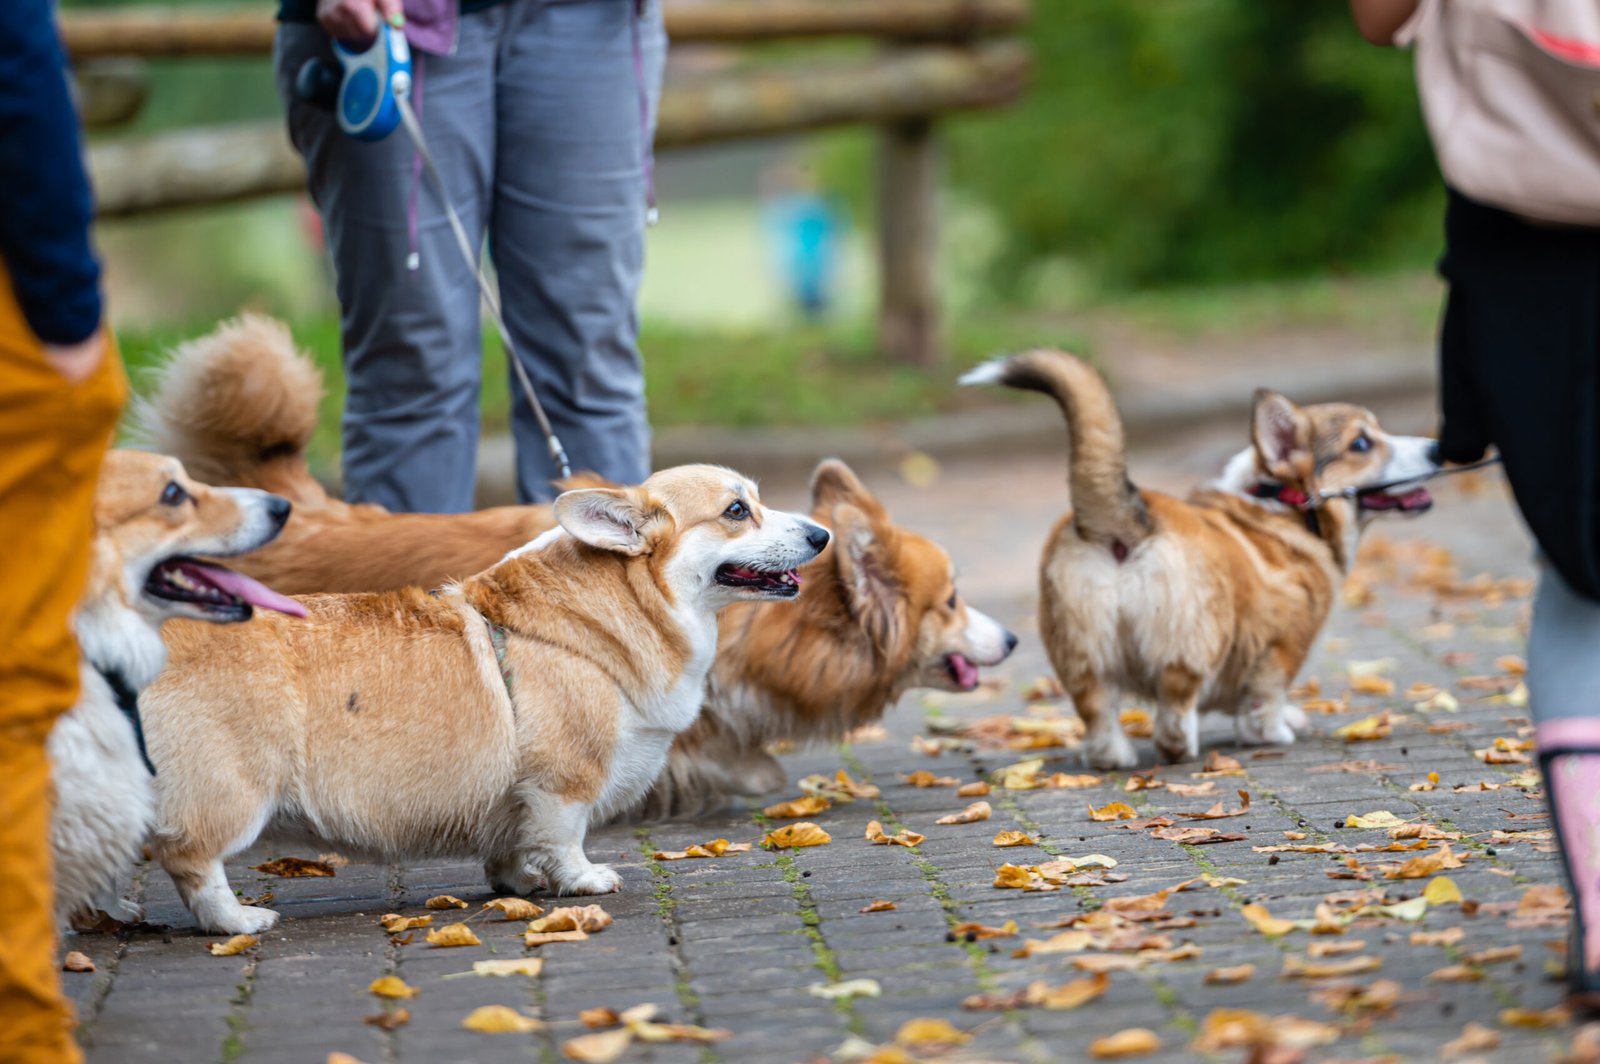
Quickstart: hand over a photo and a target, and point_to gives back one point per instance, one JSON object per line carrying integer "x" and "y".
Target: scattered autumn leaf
{"x": 1455, "y": 973}
{"x": 601, "y": 1048}
{"x": 924, "y": 778}
{"x": 925, "y": 1033}
{"x": 388, "y": 1021}
{"x": 1137, "y": 723}
{"x": 973, "y": 932}
{"x": 1264, "y": 922}
{"x": 1015, "y": 838}
{"x": 444, "y": 901}
{"x": 1228, "y": 976}
{"x": 1380, "y": 818}
{"x": 590, "y": 918}
{"x": 1133, "y": 1042}
{"x": 970, "y": 815}
{"x": 1474, "y": 1038}
{"x": 453, "y": 935}
{"x": 1555, "y": 1017}
{"x": 1193, "y": 790}
{"x": 295, "y": 867}
{"x": 1113, "y": 811}
{"x": 1218, "y": 812}
{"x": 714, "y": 848}
{"x": 546, "y": 938}
{"x": 796, "y": 836}
{"x": 515, "y": 908}
{"x": 394, "y": 923}
{"x": 850, "y": 988}
{"x": 1441, "y": 890}
{"x": 529, "y": 966}
{"x": 975, "y": 789}
{"x": 1295, "y": 968}
{"x": 234, "y": 946}
{"x": 878, "y": 837}
{"x": 809, "y": 805}
{"x": 1378, "y": 726}
{"x": 1447, "y": 937}
{"x": 877, "y": 907}
{"x": 391, "y": 986}
{"x": 499, "y": 1019}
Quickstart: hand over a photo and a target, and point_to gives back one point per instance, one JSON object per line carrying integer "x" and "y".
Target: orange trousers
{"x": 53, "y": 435}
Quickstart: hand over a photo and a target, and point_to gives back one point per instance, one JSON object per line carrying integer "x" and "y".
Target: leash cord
{"x": 1377, "y": 489}
{"x": 408, "y": 118}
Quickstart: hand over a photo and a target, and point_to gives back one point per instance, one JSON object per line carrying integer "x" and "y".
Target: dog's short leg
{"x": 552, "y": 839}
{"x": 509, "y": 873}
{"x": 203, "y": 886}
{"x": 1178, "y": 715}
{"x": 1105, "y": 745}
{"x": 120, "y": 909}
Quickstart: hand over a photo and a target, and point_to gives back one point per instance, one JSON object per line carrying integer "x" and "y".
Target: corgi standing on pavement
{"x": 496, "y": 719}
{"x": 150, "y": 520}
{"x": 1212, "y": 603}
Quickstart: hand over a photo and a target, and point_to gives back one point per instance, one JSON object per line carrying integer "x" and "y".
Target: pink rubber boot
{"x": 1569, "y": 756}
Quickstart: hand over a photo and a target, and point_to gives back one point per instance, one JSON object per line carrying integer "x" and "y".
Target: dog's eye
{"x": 173, "y": 494}
{"x": 1361, "y": 444}
{"x": 952, "y": 603}
{"x": 736, "y": 511}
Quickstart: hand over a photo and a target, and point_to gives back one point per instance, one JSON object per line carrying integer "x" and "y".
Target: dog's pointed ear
{"x": 836, "y": 484}
{"x": 870, "y": 585}
{"x": 1281, "y": 433}
{"x": 614, "y": 519}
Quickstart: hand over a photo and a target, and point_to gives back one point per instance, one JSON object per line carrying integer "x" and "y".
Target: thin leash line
{"x": 408, "y": 118}
{"x": 1376, "y": 489}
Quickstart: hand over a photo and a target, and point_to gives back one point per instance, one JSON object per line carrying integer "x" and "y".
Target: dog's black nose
{"x": 1011, "y": 641}
{"x": 818, "y": 537}
{"x": 278, "y": 509}
{"x": 1434, "y": 455}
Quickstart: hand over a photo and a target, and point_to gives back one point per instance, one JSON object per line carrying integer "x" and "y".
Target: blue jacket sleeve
{"x": 45, "y": 205}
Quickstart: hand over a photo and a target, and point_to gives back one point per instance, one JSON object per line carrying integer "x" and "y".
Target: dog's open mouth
{"x": 784, "y": 584}
{"x": 963, "y": 673}
{"x": 1414, "y": 501}
{"x": 215, "y": 592}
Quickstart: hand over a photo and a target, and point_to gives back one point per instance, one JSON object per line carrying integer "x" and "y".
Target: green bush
{"x": 1203, "y": 140}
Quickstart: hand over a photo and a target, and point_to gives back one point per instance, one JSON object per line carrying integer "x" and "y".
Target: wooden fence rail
{"x": 938, "y": 58}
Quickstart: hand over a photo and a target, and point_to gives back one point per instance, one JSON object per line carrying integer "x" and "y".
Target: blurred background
{"x": 1189, "y": 181}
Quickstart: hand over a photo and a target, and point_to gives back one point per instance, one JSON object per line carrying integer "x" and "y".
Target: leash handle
{"x": 408, "y": 118}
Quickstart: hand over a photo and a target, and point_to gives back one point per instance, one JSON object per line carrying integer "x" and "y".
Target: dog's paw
{"x": 514, "y": 877}
{"x": 248, "y": 920}
{"x": 596, "y": 879}
{"x": 122, "y": 910}
{"x": 1110, "y": 750}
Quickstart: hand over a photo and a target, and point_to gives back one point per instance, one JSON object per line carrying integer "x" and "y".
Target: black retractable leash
{"x": 370, "y": 92}
{"x": 1308, "y": 503}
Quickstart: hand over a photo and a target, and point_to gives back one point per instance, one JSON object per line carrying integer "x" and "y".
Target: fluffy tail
{"x": 238, "y": 407}
{"x": 1107, "y": 509}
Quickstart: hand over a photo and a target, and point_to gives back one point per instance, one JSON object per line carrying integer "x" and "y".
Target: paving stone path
{"x": 737, "y": 942}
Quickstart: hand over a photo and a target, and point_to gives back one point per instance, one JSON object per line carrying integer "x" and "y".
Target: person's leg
{"x": 411, "y": 336}
{"x": 52, "y": 438}
{"x": 576, "y": 114}
{"x": 1564, "y": 690}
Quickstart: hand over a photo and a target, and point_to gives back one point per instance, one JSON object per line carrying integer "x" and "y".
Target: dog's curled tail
{"x": 1106, "y": 508}
{"x": 238, "y": 407}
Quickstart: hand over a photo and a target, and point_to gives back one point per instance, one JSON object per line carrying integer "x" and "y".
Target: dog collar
{"x": 128, "y": 703}
{"x": 1291, "y": 497}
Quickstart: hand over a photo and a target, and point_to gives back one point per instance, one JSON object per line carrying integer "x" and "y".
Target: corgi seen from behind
{"x": 495, "y": 719}
{"x": 1214, "y": 602}
{"x": 150, "y": 521}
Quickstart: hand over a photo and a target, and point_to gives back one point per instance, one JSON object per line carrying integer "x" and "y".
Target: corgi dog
{"x": 1214, "y": 602}
{"x": 151, "y": 520}
{"x": 880, "y": 616}
{"x": 561, "y": 676}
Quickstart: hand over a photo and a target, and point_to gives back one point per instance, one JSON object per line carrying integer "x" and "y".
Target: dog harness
{"x": 128, "y": 704}
{"x": 497, "y": 639}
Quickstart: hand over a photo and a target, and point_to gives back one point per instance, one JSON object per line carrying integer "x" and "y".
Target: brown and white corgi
{"x": 880, "y": 615}
{"x": 559, "y": 677}
{"x": 1212, "y": 603}
{"x": 151, "y": 520}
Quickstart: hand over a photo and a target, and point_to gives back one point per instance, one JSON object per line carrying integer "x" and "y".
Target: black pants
{"x": 1520, "y": 370}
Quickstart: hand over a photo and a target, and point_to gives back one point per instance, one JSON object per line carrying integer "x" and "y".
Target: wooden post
{"x": 908, "y": 237}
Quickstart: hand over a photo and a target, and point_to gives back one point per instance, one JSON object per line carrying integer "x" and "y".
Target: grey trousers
{"x": 536, "y": 124}
{"x": 1563, "y": 652}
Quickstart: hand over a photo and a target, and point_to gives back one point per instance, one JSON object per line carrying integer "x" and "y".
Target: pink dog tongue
{"x": 966, "y": 673}
{"x": 252, "y": 591}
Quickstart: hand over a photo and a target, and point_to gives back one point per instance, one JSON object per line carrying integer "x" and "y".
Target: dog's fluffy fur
{"x": 144, "y": 532}
{"x": 1212, "y": 603}
{"x": 879, "y": 616}
{"x": 328, "y": 729}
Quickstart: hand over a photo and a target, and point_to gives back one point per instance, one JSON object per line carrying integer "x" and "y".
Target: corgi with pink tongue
{"x": 151, "y": 524}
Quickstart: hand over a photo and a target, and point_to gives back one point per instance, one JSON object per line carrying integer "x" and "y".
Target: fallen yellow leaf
{"x": 392, "y": 986}
{"x": 1113, "y": 811}
{"x": 234, "y": 946}
{"x": 1228, "y": 976}
{"x": 453, "y": 935}
{"x": 976, "y": 789}
{"x": 1295, "y": 968}
{"x": 295, "y": 867}
{"x": 388, "y": 1021}
{"x": 545, "y": 938}
{"x": 850, "y": 988}
{"x": 1372, "y": 684}
{"x": 1133, "y": 1042}
{"x": 1535, "y": 1017}
{"x": 904, "y": 837}
{"x": 1454, "y": 973}
{"x": 1474, "y": 1038}
{"x": 1015, "y": 838}
{"x": 573, "y": 918}
{"x": 1265, "y": 922}
{"x": 394, "y": 923}
{"x": 970, "y": 815}
{"x": 923, "y": 1033}
{"x": 521, "y": 966}
{"x": 795, "y": 836}
{"x": 602, "y": 1048}
{"x": 515, "y": 908}
{"x": 809, "y": 805}
{"x": 1380, "y": 818}
{"x": 1069, "y": 995}
{"x": 1447, "y": 937}
{"x": 714, "y": 848}
{"x": 499, "y": 1019}
{"x": 444, "y": 901}
{"x": 923, "y": 778}
{"x": 877, "y": 907}
{"x": 1136, "y": 723}
{"x": 1367, "y": 728}
{"x": 1441, "y": 890}
{"x": 76, "y": 961}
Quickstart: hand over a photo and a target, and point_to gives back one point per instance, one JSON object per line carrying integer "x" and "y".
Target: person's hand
{"x": 78, "y": 361}
{"x": 357, "y": 20}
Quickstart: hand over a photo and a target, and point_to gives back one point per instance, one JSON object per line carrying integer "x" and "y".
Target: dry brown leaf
{"x": 1454, "y": 973}
{"x": 1324, "y": 949}
{"x": 515, "y": 908}
{"x": 520, "y": 966}
{"x": 1193, "y": 790}
{"x": 878, "y": 907}
{"x": 388, "y": 1021}
{"x": 601, "y": 1048}
{"x": 714, "y": 848}
{"x": 970, "y": 815}
{"x": 77, "y": 961}
{"x": 1474, "y": 1038}
{"x": 295, "y": 867}
{"x": 924, "y": 1033}
{"x": 1228, "y": 976}
{"x": 1426, "y": 865}
{"x": 452, "y": 935}
{"x": 1069, "y": 995}
{"x": 1264, "y": 922}
{"x": 1447, "y": 937}
{"x": 233, "y": 947}
{"x": 599, "y": 1017}
{"x": 590, "y": 918}
{"x": 546, "y": 938}
{"x": 394, "y": 923}
{"x": 1295, "y": 968}
{"x": 444, "y": 901}
{"x": 499, "y": 1019}
{"x": 1218, "y": 812}
{"x": 1132, "y": 1042}
{"x": 1137, "y": 723}
{"x": 1555, "y": 1017}
{"x": 975, "y": 789}
{"x": 923, "y": 778}
{"x": 1371, "y": 684}
{"x": 973, "y": 932}
{"x": 1020, "y": 877}
{"x": 1113, "y": 811}
{"x": 904, "y": 837}
{"x": 1015, "y": 838}
{"x": 795, "y": 809}
{"x": 391, "y": 986}
{"x": 645, "y": 1031}
{"x": 1493, "y": 955}
{"x": 1378, "y": 726}
{"x": 796, "y": 836}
